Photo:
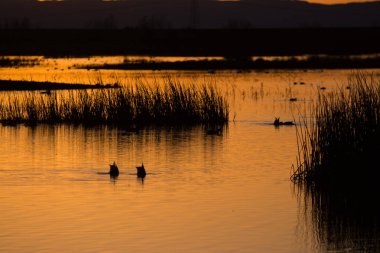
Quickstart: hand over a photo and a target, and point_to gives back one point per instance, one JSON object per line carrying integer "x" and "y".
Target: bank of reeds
{"x": 341, "y": 146}
{"x": 135, "y": 105}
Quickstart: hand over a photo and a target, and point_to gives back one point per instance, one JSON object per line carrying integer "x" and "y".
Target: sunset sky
{"x": 311, "y": 1}
{"x": 337, "y": 1}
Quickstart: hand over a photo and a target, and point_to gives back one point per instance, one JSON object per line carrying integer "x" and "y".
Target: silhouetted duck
{"x": 114, "y": 170}
{"x": 141, "y": 171}
{"x": 277, "y": 122}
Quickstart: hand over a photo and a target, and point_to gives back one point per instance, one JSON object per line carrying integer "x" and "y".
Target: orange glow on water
{"x": 203, "y": 193}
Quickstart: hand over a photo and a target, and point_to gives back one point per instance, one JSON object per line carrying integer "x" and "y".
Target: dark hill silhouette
{"x": 178, "y": 14}
{"x": 234, "y": 44}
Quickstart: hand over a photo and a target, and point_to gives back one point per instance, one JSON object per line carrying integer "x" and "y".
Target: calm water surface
{"x": 228, "y": 193}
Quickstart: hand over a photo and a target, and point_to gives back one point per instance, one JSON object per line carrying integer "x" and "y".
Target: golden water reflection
{"x": 202, "y": 193}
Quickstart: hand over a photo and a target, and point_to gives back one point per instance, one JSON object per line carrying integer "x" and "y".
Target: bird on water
{"x": 277, "y": 122}
{"x": 141, "y": 171}
{"x": 114, "y": 170}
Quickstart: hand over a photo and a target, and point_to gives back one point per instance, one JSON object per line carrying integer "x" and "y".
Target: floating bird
{"x": 141, "y": 171}
{"x": 114, "y": 170}
{"x": 277, "y": 122}
{"x": 293, "y": 99}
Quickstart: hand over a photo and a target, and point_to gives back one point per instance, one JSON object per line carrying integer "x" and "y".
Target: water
{"x": 203, "y": 193}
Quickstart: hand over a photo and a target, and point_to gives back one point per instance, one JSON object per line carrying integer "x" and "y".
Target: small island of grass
{"x": 172, "y": 103}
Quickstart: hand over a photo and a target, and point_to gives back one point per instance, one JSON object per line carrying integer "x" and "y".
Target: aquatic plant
{"x": 140, "y": 104}
{"x": 340, "y": 147}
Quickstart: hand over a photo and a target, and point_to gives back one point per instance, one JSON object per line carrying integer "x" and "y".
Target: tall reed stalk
{"x": 342, "y": 145}
{"x": 172, "y": 103}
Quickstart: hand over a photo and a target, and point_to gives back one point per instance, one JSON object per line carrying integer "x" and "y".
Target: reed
{"x": 341, "y": 146}
{"x": 140, "y": 104}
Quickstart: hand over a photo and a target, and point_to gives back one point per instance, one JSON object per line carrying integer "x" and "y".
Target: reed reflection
{"x": 76, "y": 152}
{"x": 343, "y": 218}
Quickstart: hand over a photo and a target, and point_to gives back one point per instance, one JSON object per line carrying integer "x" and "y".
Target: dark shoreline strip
{"x": 11, "y": 85}
{"x": 242, "y": 64}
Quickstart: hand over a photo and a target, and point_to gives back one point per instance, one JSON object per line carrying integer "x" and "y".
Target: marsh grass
{"x": 337, "y": 170}
{"x": 341, "y": 146}
{"x": 171, "y": 103}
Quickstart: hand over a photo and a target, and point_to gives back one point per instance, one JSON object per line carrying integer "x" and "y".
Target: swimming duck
{"x": 277, "y": 122}
{"x": 141, "y": 171}
{"x": 114, "y": 170}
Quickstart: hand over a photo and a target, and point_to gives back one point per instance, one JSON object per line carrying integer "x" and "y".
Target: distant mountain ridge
{"x": 186, "y": 14}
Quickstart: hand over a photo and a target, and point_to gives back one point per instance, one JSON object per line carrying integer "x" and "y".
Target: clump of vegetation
{"x": 18, "y": 61}
{"x": 135, "y": 105}
{"x": 341, "y": 147}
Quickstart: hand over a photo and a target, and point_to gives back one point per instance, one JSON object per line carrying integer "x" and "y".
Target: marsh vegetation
{"x": 340, "y": 147}
{"x": 337, "y": 173}
{"x": 172, "y": 103}
{"x": 18, "y": 61}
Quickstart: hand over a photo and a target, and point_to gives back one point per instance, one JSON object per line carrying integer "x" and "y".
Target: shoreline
{"x": 11, "y": 85}
{"x": 244, "y": 65}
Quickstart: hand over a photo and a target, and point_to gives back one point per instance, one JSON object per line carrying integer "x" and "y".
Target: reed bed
{"x": 140, "y": 104}
{"x": 337, "y": 169}
{"x": 341, "y": 146}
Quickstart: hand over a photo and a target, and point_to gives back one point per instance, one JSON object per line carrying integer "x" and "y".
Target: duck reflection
{"x": 344, "y": 218}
